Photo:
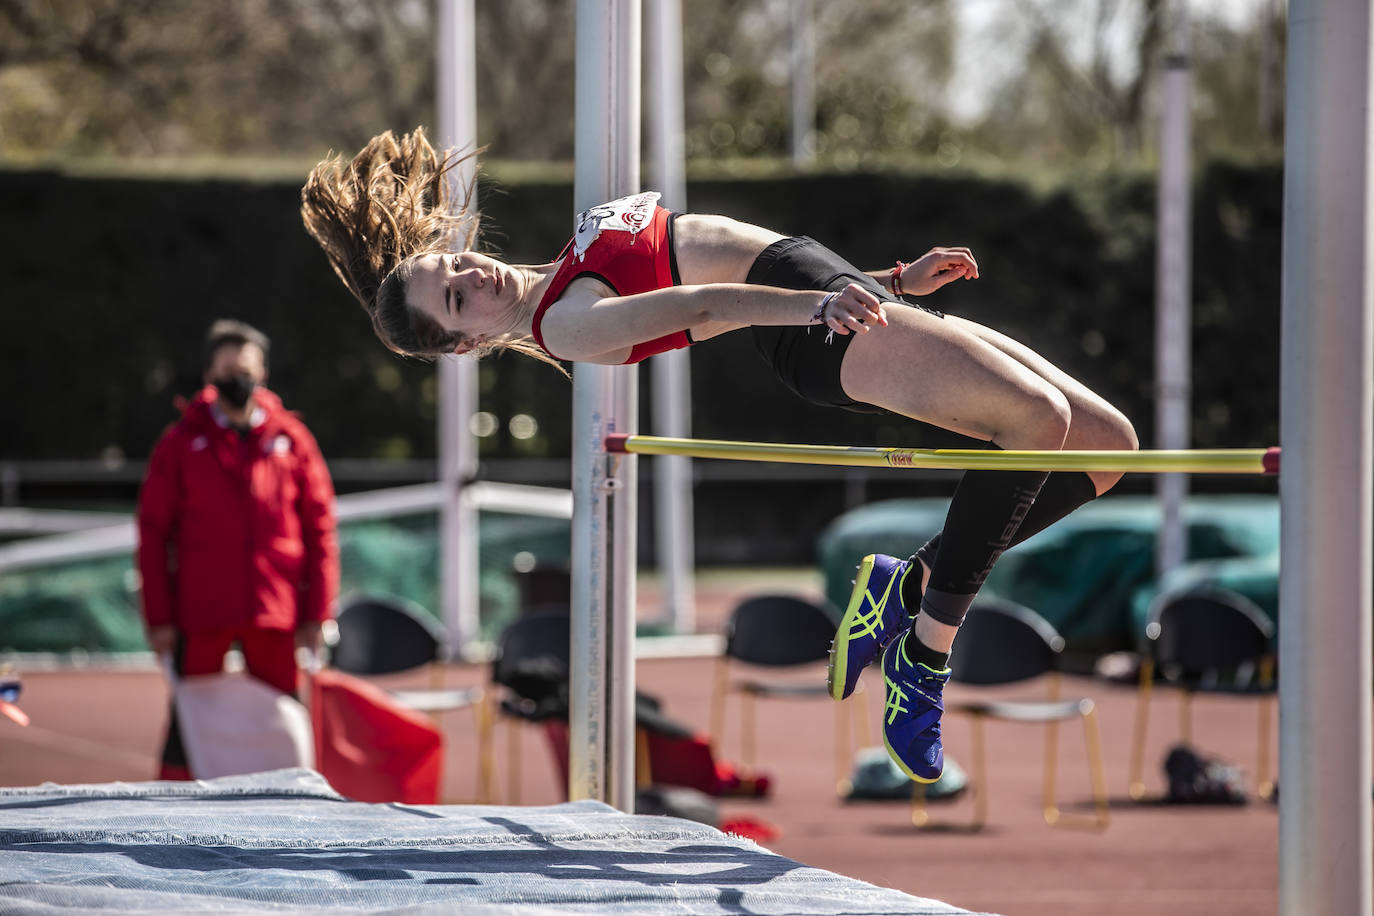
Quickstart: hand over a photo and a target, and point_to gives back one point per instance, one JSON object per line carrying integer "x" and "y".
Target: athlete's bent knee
{"x": 1129, "y": 440}
{"x": 1119, "y": 435}
{"x": 1039, "y": 421}
{"x": 1053, "y": 417}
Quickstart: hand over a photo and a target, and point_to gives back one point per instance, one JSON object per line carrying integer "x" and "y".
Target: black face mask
{"x": 236, "y": 389}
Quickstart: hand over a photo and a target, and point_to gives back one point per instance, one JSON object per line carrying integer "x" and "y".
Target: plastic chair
{"x": 532, "y": 664}
{"x": 543, "y": 589}
{"x": 1207, "y": 640}
{"x": 1002, "y": 642}
{"x": 386, "y": 635}
{"x": 780, "y": 631}
{"x": 531, "y": 668}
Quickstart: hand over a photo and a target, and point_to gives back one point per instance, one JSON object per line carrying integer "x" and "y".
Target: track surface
{"x": 103, "y": 725}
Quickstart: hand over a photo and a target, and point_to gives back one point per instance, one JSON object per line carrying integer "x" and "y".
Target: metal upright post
{"x": 457, "y": 122}
{"x": 803, "y": 66}
{"x": 672, "y": 371}
{"x": 605, "y": 400}
{"x": 1173, "y": 288}
{"x": 1327, "y": 423}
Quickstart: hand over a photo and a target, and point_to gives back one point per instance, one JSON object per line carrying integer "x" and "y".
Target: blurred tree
{"x": 1041, "y": 81}
{"x": 166, "y": 78}
{"x": 1077, "y": 92}
{"x": 881, "y": 69}
{"x": 1084, "y": 86}
{"x": 525, "y": 78}
{"x": 1238, "y": 83}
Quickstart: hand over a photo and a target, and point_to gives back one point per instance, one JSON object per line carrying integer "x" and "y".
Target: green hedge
{"x": 111, "y": 283}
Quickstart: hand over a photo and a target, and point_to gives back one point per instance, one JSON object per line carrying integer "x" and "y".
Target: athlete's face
{"x": 465, "y": 292}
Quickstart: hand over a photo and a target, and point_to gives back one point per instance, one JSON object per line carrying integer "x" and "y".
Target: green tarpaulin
{"x": 1092, "y": 574}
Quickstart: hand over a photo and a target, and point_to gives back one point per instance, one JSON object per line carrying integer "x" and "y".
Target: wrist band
{"x": 897, "y": 278}
{"x": 819, "y": 317}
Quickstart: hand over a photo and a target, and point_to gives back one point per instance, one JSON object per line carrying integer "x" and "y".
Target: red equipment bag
{"x": 675, "y": 761}
{"x": 369, "y": 746}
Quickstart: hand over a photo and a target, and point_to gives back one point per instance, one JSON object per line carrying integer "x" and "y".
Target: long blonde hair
{"x": 391, "y": 203}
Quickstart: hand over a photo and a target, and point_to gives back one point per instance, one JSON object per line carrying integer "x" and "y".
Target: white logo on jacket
{"x": 628, "y": 214}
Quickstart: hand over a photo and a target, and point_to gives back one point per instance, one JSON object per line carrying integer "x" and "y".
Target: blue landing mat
{"x": 285, "y": 842}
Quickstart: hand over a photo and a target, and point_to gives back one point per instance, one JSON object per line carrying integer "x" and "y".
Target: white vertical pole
{"x": 672, "y": 407}
{"x": 1327, "y": 423}
{"x": 803, "y": 61}
{"x": 456, "y": 107}
{"x": 602, "y": 738}
{"x": 1173, "y": 289}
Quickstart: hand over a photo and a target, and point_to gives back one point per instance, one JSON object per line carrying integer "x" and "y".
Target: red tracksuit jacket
{"x": 237, "y": 531}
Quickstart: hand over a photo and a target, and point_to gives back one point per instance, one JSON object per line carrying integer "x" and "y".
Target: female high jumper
{"x": 636, "y": 280}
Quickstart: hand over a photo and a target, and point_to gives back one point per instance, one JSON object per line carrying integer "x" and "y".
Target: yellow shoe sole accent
{"x": 896, "y": 758}
{"x": 838, "y": 669}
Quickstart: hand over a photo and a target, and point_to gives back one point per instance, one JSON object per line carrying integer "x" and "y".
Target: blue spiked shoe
{"x": 911, "y": 715}
{"x": 874, "y": 617}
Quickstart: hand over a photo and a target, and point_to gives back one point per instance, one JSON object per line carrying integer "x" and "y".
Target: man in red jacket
{"x": 237, "y": 539}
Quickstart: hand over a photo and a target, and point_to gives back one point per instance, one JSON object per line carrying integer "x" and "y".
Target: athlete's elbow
{"x": 698, "y": 316}
{"x": 703, "y": 309}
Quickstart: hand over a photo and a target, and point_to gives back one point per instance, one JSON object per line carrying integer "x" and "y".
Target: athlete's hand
{"x": 853, "y": 309}
{"x": 310, "y": 635}
{"x": 937, "y": 267}
{"x": 162, "y": 639}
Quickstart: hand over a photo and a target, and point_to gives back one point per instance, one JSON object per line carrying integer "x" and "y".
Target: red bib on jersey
{"x": 628, "y": 245}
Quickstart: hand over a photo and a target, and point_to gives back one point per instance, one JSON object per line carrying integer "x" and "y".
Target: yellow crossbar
{"x": 1188, "y": 461}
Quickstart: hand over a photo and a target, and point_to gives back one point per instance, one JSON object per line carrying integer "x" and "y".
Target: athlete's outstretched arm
{"x": 583, "y": 326}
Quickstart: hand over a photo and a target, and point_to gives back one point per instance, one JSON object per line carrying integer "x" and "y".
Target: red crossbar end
{"x": 1271, "y": 460}
{"x": 615, "y": 443}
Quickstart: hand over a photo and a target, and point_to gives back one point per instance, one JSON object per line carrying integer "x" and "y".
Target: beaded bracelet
{"x": 819, "y": 317}
{"x": 897, "y": 278}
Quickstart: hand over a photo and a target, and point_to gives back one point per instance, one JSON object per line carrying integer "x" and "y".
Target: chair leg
{"x": 1142, "y": 716}
{"x": 1096, "y": 773}
{"x": 857, "y": 711}
{"x": 1185, "y": 715}
{"x": 718, "y": 691}
{"x": 1093, "y": 738}
{"x": 644, "y": 772}
{"x": 920, "y": 817}
{"x": 1049, "y": 804}
{"x": 863, "y": 732}
{"x": 515, "y": 764}
{"x": 747, "y": 734}
{"x": 980, "y": 777}
{"x": 841, "y": 750}
{"x": 486, "y": 765}
{"x": 859, "y": 730}
{"x": 1264, "y": 782}
{"x": 1049, "y": 773}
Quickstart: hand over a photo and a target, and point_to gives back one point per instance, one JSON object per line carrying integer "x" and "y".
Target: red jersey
{"x": 628, "y": 245}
